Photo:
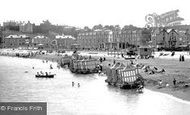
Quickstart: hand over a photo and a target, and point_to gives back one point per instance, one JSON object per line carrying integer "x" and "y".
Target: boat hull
{"x": 83, "y": 71}
{"x": 44, "y": 76}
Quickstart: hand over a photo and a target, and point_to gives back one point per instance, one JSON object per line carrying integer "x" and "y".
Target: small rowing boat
{"x": 45, "y": 76}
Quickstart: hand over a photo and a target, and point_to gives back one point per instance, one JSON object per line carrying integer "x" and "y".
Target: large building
{"x": 130, "y": 38}
{"x": 56, "y": 42}
{"x": 11, "y": 25}
{"x": 1, "y": 38}
{"x": 16, "y": 41}
{"x": 41, "y": 41}
{"x": 94, "y": 39}
{"x": 170, "y": 38}
{"x": 64, "y": 41}
{"x": 112, "y": 40}
{"x": 26, "y": 27}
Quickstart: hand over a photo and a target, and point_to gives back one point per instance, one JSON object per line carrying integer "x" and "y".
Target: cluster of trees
{"x": 47, "y": 28}
{"x": 110, "y": 27}
{"x": 11, "y": 27}
{"x": 44, "y": 28}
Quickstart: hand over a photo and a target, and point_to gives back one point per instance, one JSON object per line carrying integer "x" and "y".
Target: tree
{"x": 117, "y": 28}
{"x": 86, "y": 28}
{"x": 96, "y": 27}
{"x": 46, "y": 26}
{"x": 106, "y": 27}
{"x": 109, "y": 27}
{"x": 129, "y": 27}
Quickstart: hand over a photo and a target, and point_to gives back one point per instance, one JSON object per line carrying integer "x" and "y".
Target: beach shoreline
{"x": 182, "y": 93}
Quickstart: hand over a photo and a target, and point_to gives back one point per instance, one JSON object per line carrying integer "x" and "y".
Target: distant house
{"x": 64, "y": 41}
{"x": 183, "y": 38}
{"x": 1, "y": 39}
{"x": 172, "y": 39}
{"x": 26, "y": 27}
{"x": 154, "y": 33}
{"x": 41, "y": 41}
{"x": 11, "y": 25}
{"x": 15, "y": 41}
{"x": 161, "y": 38}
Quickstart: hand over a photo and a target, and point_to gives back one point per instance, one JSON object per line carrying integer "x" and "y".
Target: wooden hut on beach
{"x": 145, "y": 51}
{"x": 84, "y": 66}
{"x": 124, "y": 76}
{"x": 81, "y": 65}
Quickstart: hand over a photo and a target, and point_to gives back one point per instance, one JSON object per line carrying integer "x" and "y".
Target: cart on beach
{"x": 80, "y": 65}
{"x": 85, "y": 66}
{"x": 65, "y": 60}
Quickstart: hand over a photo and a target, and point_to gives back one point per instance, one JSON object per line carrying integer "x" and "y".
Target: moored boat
{"x": 45, "y": 76}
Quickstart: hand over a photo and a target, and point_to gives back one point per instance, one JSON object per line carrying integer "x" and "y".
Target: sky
{"x": 80, "y": 13}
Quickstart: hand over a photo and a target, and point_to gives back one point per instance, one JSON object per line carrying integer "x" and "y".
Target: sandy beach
{"x": 173, "y": 69}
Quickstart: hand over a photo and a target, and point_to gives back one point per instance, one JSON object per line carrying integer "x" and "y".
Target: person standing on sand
{"x": 104, "y": 59}
{"x": 107, "y": 70}
{"x": 160, "y": 82}
{"x": 114, "y": 61}
{"x": 101, "y": 59}
{"x": 78, "y": 84}
{"x": 99, "y": 68}
{"x": 174, "y": 82}
{"x": 122, "y": 55}
{"x": 73, "y": 83}
{"x": 183, "y": 58}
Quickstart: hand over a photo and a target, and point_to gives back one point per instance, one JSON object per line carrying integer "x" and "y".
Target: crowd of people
{"x": 73, "y": 84}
